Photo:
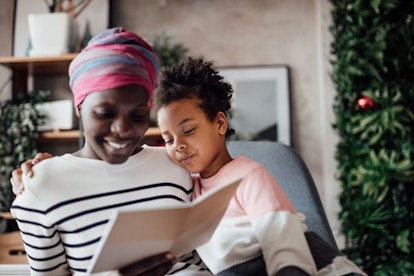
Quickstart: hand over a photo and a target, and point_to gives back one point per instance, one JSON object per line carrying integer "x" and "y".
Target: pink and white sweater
{"x": 260, "y": 220}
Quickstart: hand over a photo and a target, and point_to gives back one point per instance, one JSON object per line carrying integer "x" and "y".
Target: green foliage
{"x": 169, "y": 53}
{"x": 373, "y": 48}
{"x": 19, "y": 121}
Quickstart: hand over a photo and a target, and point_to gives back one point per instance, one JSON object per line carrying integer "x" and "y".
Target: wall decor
{"x": 261, "y": 102}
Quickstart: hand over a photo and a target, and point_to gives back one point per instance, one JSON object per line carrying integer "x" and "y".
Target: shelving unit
{"x": 25, "y": 67}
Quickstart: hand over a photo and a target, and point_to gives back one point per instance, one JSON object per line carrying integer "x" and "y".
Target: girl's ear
{"x": 222, "y": 123}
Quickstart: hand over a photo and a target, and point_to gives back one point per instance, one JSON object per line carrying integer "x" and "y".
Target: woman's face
{"x": 114, "y": 123}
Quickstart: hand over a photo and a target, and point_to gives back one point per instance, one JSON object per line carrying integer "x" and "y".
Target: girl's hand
{"x": 26, "y": 168}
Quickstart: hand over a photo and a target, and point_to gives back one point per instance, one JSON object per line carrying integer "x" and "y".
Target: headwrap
{"x": 113, "y": 58}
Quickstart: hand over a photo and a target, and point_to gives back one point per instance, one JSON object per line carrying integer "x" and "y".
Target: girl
{"x": 260, "y": 233}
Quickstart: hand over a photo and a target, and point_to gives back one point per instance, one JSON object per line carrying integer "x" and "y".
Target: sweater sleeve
{"x": 278, "y": 228}
{"x": 283, "y": 242}
{"x": 42, "y": 241}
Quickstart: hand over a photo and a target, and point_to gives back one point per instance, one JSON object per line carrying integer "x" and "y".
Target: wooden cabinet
{"x": 26, "y": 69}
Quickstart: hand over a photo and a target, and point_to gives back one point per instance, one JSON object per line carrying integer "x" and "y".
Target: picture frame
{"x": 260, "y": 103}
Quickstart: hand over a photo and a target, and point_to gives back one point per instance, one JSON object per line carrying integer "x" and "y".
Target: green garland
{"x": 19, "y": 121}
{"x": 373, "y": 71}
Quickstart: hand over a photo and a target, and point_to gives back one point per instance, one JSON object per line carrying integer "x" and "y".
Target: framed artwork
{"x": 261, "y": 102}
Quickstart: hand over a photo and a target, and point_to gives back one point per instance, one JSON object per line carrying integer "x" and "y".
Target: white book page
{"x": 134, "y": 234}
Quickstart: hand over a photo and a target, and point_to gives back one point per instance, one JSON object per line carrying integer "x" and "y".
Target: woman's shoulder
{"x": 48, "y": 167}
{"x": 154, "y": 152}
{"x": 155, "y": 149}
{"x": 157, "y": 155}
{"x": 47, "y": 163}
{"x": 60, "y": 162}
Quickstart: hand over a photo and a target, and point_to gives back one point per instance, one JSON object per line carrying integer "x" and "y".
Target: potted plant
{"x": 170, "y": 53}
{"x": 67, "y": 6}
{"x": 19, "y": 122}
{"x": 55, "y": 32}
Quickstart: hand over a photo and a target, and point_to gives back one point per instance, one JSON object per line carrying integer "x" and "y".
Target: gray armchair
{"x": 292, "y": 174}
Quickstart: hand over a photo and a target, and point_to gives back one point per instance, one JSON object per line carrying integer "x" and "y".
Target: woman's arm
{"x": 42, "y": 241}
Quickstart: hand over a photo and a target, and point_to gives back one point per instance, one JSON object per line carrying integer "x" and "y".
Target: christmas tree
{"x": 373, "y": 72}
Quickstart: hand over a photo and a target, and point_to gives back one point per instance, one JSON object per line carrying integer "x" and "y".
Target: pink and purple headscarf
{"x": 112, "y": 59}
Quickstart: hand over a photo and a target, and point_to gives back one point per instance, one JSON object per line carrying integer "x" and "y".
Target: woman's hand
{"x": 26, "y": 168}
{"x": 155, "y": 265}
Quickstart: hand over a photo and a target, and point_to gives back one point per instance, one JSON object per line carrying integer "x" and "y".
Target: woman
{"x": 67, "y": 203}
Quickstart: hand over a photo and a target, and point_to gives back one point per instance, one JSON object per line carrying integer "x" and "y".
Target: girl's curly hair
{"x": 195, "y": 78}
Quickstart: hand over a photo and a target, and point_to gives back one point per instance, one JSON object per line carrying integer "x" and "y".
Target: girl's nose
{"x": 180, "y": 146}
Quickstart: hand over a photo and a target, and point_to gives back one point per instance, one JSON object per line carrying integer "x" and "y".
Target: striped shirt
{"x": 66, "y": 204}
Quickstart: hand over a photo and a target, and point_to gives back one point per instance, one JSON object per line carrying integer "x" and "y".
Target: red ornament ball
{"x": 365, "y": 102}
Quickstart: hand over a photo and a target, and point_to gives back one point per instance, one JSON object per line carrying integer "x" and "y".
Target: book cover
{"x": 134, "y": 234}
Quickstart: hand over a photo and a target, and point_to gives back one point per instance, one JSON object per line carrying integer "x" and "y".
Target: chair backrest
{"x": 293, "y": 176}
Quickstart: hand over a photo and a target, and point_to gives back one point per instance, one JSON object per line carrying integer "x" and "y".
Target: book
{"x": 134, "y": 234}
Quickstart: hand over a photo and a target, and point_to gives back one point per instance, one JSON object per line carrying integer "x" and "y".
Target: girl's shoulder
{"x": 246, "y": 163}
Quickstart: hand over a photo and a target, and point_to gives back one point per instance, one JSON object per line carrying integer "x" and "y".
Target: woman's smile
{"x": 119, "y": 148}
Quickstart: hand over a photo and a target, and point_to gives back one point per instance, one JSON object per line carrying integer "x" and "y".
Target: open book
{"x": 134, "y": 234}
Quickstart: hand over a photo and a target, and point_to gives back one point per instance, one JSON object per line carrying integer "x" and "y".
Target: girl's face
{"x": 114, "y": 123}
{"x": 191, "y": 139}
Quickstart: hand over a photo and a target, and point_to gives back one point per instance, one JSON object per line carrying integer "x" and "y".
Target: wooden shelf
{"x": 39, "y": 65}
{"x": 25, "y": 67}
{"x": 69, "y": 135}
{"x": 60, "y": 135}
